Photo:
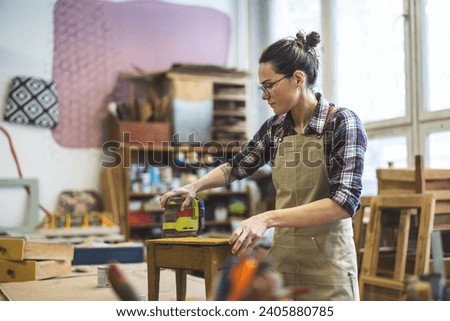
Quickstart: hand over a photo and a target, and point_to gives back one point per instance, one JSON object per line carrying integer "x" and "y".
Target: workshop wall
{"x": 27, "y": 48}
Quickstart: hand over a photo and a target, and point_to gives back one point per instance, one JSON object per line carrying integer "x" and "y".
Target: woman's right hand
{"x": 187, "y": 191}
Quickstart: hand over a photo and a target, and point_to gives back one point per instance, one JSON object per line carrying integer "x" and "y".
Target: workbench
{"x": 82, "y": 286}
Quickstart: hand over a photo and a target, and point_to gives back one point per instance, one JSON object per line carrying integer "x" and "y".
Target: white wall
{"x": 26, "y": 48}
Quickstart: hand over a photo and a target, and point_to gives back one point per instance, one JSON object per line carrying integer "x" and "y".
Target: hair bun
{"x": 300, "y": 37}
{"x": 312, "y": 39}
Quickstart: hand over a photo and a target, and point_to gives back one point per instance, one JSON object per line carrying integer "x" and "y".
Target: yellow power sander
{"x": 189, "y": 222}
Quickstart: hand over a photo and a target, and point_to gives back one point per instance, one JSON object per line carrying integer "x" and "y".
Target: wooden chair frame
{"x": 404, "y": 204}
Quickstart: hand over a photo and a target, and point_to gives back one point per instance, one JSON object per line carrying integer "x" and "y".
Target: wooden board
{"x": 17, "y": 249}
{"x": 29, "y": 270}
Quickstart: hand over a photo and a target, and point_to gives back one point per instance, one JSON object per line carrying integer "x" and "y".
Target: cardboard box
{"x": 141, "y": 133}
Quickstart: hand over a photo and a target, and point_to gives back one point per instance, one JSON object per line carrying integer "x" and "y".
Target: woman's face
{"x": 278, "y": 90}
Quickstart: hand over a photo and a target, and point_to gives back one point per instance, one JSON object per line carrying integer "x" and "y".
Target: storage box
{"x": 145, "y": 134}
{"x": 122, "y": 253}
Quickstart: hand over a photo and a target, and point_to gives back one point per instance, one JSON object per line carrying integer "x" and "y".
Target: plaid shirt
{"x": 344, "y": 140}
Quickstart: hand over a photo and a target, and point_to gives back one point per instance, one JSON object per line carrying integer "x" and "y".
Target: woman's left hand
{"x": 247, "y": 234}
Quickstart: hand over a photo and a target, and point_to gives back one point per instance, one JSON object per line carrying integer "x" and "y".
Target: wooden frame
{"x": 403, "y": 205}
{"x": 32, "y": 220}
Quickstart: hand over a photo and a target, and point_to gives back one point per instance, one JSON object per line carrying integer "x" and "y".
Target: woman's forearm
{"x": 218, "y": 177}
{"x": 322, "y": 211}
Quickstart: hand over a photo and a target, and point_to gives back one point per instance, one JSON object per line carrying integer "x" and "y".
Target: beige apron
{"x": 321, "y": 257}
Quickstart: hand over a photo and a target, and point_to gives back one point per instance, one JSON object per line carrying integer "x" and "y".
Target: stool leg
{"x": 180, "y": 276}
{"x": 210, "y": 272}
{"x": 153, "y": 273}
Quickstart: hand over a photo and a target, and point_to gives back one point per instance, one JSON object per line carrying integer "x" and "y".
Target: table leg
{"x": 153, "y": 273}
{"x": 181, "y": 284}
{"x": 210, "y": 271}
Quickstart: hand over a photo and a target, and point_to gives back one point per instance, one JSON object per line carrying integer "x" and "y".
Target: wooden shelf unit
{"x": 211, "y": 102}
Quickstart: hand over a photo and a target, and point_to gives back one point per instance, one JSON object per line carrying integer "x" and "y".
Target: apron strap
{"x": 330, "y": 109}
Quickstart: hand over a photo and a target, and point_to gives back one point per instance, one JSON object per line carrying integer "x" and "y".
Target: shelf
{"x": 230, "y": 130}
{"x": 226, "y": 92}
{"x": 217, "y": 223}
{"x": 232, "y": 97}
{"x": 229, "y": 113}
{"x": 143, "y": 194}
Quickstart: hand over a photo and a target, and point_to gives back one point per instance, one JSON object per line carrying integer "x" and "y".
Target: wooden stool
{"x": 182, "y": 254}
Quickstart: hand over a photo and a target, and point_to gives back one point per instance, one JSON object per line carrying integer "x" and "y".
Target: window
{"x": 370, "y": 63}
{"x": 438, "y": 146}
{"x": 437, "y": 51}
{"x": 383, "y": 152}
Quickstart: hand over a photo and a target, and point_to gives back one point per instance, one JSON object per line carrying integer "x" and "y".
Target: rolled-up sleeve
{"x": 348, "y": 146}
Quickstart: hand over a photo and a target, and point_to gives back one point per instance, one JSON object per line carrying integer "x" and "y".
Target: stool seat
{"x": 182, "y": 254}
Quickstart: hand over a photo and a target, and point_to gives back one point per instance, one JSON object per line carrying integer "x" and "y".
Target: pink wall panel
{"x": 95, "y": 40}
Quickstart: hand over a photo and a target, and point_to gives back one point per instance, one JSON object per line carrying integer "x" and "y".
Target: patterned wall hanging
{"x": 32, "y": 101}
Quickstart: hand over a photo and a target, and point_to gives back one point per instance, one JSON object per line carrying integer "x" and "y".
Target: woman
{"x": 317, "y": 155}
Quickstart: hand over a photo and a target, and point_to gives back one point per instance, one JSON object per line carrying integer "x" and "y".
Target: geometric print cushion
{"x": 32, "y": 101}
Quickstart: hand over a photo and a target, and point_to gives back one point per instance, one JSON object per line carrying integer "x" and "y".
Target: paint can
{"x": 102, "y": 276}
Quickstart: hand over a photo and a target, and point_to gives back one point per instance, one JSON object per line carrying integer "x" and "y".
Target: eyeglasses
{"x": 265, "y": 88}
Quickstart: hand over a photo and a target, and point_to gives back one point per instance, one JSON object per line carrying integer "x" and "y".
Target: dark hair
{"x": 290, "y": 54}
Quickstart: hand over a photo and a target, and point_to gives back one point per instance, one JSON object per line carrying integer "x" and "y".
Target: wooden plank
{"x": 12, "y": 249}
{"x": 402, "y": 245}
{"x": 442, "y": 207}
{"x": 383, "y": 282}
{"x": 121, "y": 190}
{"x": 424, "y": 235}
{"x": 400, "y": 175}
{"x": 109, "y": 191}
{"x": 16, "y": 249}
{"x": 369, "y": 259}
{"x": 436, "y": 174}
{"x": 48, "y": 251}
{"x": 51, "y": 269}
{"x": 419, "y": 173}
{"x": 437, "y": 185}
{"x": 400, "y": 201}
{"x": 192, "y": 90}
{"x": 30, "y": 270}
{"x": 359, "y": 227}
{"x": 441, "y": 195}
